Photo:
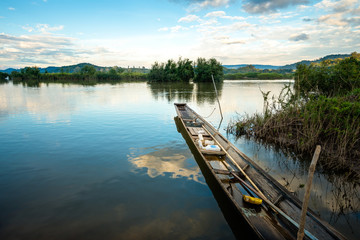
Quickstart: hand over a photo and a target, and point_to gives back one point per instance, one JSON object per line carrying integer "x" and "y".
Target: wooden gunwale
{"x": 280, "y": 228}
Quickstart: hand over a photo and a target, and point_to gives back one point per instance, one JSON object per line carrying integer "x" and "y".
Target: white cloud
{"x": 177, "y": 28}
{"x": 335, "y": 19}
{"x": 216, "y": 14}
{"x": 337, "y": 6}
{"x": 11, "y": 9}
{"x": 222, "y": 14}
{"x": 203, "y": 4}
{"x": 234, "y": 17}
{"x": 266, "y": 6}
{"x": 339, "y": 13}
{"x": 189, "y": 18}
{"x": 164, "y": 29}
{"x": 42, "y": 28}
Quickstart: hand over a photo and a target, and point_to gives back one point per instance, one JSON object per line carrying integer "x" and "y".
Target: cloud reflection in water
{"x": 170, "y": 158}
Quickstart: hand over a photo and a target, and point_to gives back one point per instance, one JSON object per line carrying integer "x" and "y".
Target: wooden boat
{"x": 237, "y": 177}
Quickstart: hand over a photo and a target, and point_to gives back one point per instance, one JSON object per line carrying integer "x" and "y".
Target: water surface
{"x": 107, "y": 162}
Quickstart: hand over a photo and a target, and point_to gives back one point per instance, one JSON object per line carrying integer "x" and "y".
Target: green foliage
{"x": 327, "y": 78}
{"x": 171, "y": 71}
{"x": 87, "y": 75}
{"x": 257, "y": 76}
{"x": 205, "y": 68}
{"x": 325, "y": 110}
{"x": 30, "y": 72}
{"x": 88, "y": 70}
{"x": 3, "y": 76}
{"x": 185, "y": 70}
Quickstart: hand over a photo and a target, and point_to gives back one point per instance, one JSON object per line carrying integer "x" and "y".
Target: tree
{"x": 157, "y": 73}
{"x": 88, "y": 70}
{"x": 205, "y": 68}
{"x": 30, "y": 73}
{"x": 185, "y": 70}
{"x": 171, "y": 71}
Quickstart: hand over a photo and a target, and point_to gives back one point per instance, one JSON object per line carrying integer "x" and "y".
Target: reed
{"x": 299, "y": 125}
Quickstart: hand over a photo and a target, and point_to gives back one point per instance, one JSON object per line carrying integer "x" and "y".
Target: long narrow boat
{"x": 259, "y": 203}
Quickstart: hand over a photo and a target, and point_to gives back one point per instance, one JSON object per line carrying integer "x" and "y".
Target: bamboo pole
{"x": 237, "y": 165}
{"x": 275, "y": 208}
{"x": 315, "y": 158}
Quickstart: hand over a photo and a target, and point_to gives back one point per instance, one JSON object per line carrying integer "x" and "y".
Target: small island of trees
{"x": 183, "y": 70}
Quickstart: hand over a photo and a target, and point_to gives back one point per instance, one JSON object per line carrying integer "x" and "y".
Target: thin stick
{"x": 217, "y": 97}
{"x": 300, "y": 234}
{"x": 278, "y": 210}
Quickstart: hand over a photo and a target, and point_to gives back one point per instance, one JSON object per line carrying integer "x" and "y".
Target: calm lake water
{"x": 107, "y": 162}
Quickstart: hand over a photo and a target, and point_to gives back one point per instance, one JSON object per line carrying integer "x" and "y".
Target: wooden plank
{"x": 195, "y": 131}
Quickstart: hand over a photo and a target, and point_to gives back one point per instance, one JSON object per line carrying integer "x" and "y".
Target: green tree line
{"x": 183, "y": 70}
{"x": 86, "y": 75}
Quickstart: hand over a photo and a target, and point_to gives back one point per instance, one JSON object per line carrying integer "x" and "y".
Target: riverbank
{"x": 258, "y": 76}
{"x": 324, "y": 109}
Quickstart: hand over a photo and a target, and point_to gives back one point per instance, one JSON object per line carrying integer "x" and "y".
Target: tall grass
{"x": 301, "y": 124}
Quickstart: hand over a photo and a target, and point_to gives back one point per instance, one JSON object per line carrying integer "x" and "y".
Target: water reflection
{"x": 171, "y": 91}
{"x": 205, "y": 92}
{"x": 170, "y": 160}
{"x": 335, "y": 198}
{"x": 102, "y": 135}
{"x": 185, "y": 92}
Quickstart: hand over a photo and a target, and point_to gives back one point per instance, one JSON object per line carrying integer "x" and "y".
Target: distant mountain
{"x": 9, "y": 70}
{"x": 258, "y": 66}
{"x": 77, "y": 67}
{"x": 66, "y": 69}
{"x": 307, "y": 62}
{"x": 289, "y": 66}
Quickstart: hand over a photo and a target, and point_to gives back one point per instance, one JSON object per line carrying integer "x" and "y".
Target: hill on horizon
{"x": 77, "y": 67}
{"x": 289, "y": 66}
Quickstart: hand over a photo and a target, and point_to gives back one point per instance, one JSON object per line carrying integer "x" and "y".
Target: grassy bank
{"x": 258, "y": 76}
{"x": 88, "y": 76}
{"x": 324, "y": 109}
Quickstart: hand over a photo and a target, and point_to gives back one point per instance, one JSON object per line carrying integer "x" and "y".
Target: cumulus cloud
{"x": 266, "y": 6}
{"x": 42, "y": 28}
{"x": 299, "y": 37}
{"x": 222, "y": 14}
{"x": 234, "y": 42}
{"x": 336, "y": 6}
{"x": 203, "y": 4}
{"x": 215, "y": 14}
{"x": 41, "y": 49}
{"x": 339, "y": 13}
{"x": 189, "y": 18}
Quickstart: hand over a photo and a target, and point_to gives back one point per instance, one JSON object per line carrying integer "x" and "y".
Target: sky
{"x": 139, "y": 32}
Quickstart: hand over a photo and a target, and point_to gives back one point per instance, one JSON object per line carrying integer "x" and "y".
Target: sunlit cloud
{"x": 42, "y": 28}
{"x": 216, "y": 14}
{"x": 204, "y": 4}
{"x": 268, "y": 6}
{"x": 11, "y": 9}
{"x": 166, "y": 160}
{"x": 189, "y": 18}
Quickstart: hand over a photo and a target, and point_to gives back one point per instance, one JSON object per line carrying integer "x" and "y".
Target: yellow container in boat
{"x": 252, "y": 200}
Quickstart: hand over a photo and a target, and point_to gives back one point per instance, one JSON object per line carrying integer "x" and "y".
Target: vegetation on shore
{"x": 3, "y": 77}
{"x": 258, "y": 76}
{"x": 184, "y": 70}
{"x": 87, "y": 75}
{"x": 250, "y": 72}
{"x": 323, "y": 108}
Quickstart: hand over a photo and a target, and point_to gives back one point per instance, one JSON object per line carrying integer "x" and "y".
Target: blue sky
{"x": 139, "y": 32}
